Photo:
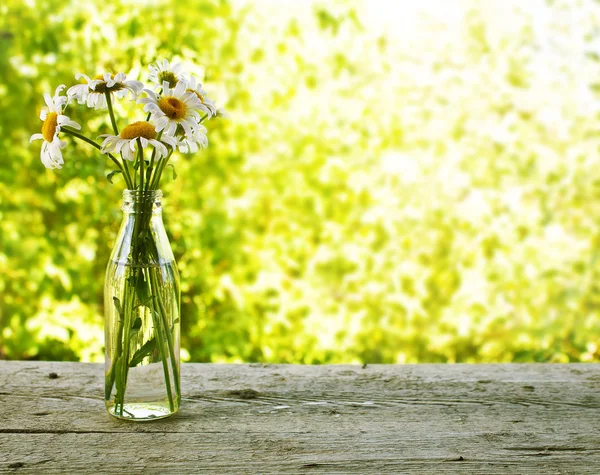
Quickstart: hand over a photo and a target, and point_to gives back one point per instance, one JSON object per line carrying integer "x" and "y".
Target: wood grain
{"x": 430, "y": 419}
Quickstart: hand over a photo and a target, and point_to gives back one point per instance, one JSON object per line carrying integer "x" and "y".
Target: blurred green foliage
{"x": 395, "y": 184}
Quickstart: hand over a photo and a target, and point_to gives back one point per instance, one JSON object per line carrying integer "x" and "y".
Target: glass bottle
{"x": 142, "y": 321}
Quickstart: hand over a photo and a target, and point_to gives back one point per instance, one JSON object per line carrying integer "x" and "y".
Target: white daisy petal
{"x": 117, "y": 85}
{"x": 79, "y": 92}
{"x": 100, "y": 102}
{"x": 120, "y": 144}
{"x": 161, "y": 123}
{"x": 127, "y": 154}
{"x": 180, "y": 88}
{"x": 134, "y": 86}
{"x": 93, "y": 83}
{"x": 48, "y": 101}
{"x": 171, "y": 128}
{"x": 109, "y": 79}
{"x": 169, "y": 140}
{"x": 161, "y": 148}
{"x": 59, "y": 89}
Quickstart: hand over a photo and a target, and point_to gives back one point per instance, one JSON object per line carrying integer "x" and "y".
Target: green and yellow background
{"x": 396, "y": 183}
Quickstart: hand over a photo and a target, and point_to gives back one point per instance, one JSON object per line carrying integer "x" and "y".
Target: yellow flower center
{"x": 102, "y": 87}
{"x": 197, "y": 94}
{"x": 138, "y": 129}
{"x": 167, "y": 76}
{"x": 49, "y": 126}
{"x": 172, "y": 107}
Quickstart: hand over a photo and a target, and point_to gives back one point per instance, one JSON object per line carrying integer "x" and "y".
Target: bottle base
{"x": 141, "y": 412}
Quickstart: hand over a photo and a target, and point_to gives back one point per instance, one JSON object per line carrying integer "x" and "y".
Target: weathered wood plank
{"x": 310, "y": 419}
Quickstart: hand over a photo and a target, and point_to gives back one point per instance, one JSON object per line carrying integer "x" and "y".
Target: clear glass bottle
{"x": 142, "y": 321}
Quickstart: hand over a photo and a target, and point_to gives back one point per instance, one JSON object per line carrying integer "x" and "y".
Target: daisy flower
{"x": 126, "y": 142}
{"x": 192, "y": 144}
{"x": 93, "y": 90}
{"x": 163, "y": 71}
{"x": 54, "y": 119}
{"x": 175, "y": 106}
{"x": 209, "y": 106}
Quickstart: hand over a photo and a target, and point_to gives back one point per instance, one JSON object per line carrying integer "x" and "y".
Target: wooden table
{"x": 430, "y": 419}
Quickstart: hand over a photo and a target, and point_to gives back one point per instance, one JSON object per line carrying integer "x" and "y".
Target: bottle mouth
{"x": 135, "y": 201}
{"x": 137, "y": 195}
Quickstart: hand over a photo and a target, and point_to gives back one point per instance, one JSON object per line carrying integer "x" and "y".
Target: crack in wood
{"x": 550, "y": 449}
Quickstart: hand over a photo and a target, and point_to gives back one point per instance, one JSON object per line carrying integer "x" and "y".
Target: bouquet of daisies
{"x": 142, "y": 286}
{"x": 176, "y": 107}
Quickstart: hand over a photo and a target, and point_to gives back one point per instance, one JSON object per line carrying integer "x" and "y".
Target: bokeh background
{"x": 396, "y": 182}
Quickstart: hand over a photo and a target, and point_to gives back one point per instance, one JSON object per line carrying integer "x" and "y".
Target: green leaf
{"x": 117, "y": 303}
{"x": 144, "y": 351}
{"x": 174, "y": 173}
{"x": 137, "y": 324}
{"x": 148, "y": 173}
{"x": 145, "y": 303}
{"x": 141, "y": 289}
{"x": 111, "y": 174}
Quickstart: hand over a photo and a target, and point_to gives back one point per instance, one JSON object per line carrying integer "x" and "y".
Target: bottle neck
{"x": 135, "y": 202}
{"x": 142, "y": 239}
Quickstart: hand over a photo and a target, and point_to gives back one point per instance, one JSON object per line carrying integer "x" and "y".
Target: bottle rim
{"x": 142, "y": 195}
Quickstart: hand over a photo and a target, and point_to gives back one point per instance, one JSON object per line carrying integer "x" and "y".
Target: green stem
{"x": 159, "y": 171}
{"x": 127, "y": 319}
{"x": 160, "y": 337}
{"x": 79, "y": 136}
{"x": 131, "y": 185}
{"x": 116, "y": 353}
{"x": 131, "y": 284}
{"x": 76, "y": 134}
{"x": 129, "y": 298}
{"x": 151, "y": 168}
{"x": 141, "y": 163}
{"x": 110, "y": 112}
{"x": 165, "y": 325}
{"x": 163, "y": 162}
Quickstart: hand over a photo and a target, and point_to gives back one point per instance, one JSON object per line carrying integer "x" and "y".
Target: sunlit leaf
{"x": 146, "y": 349}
